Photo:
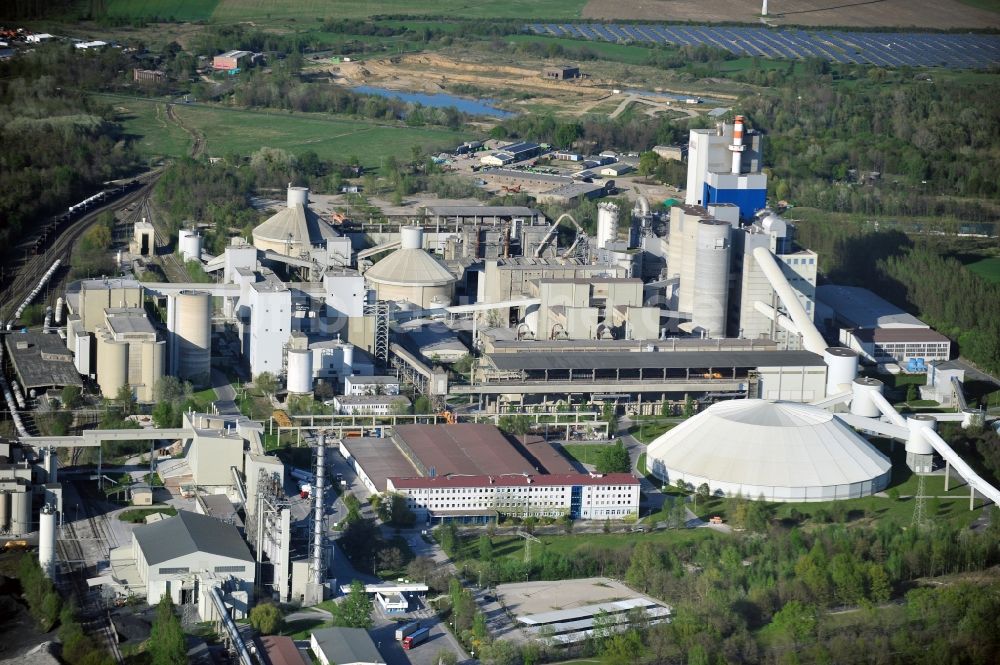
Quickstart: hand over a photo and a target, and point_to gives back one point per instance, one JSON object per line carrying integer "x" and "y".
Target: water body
{"x": 438, "y": 100}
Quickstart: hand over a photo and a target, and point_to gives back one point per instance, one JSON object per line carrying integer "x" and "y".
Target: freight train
{"x": 51, "y": 228}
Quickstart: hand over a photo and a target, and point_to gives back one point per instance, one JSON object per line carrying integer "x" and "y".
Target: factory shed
{"x": 857, "y": 307}
{"x": 281, "y": 650}
{"x": 462, "y": 448}
{"x": 375, "y": 460}
{"x": 780, "y": 451}
{"x": 345, "y": 646}
{"x": 41, "y": 361}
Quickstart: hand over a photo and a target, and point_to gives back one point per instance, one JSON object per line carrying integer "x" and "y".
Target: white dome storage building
{"x": 784, "y": 451}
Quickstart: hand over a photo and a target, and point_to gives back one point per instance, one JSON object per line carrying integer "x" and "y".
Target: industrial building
{"x": 561, "y": 73}
{"x": 296, "y": 231}
{"x": 188, "y": 556}
{"x": 724, "y": 166}
{"x": 371, "y": 405}
{"x": 344, "y": 646}
{"x": 466, "y": 498}
{"x": 40, "y": 361}
{"x": 563, "y": 612}
{"x": 231, "y": 60}
{"x": 129, "y": 352}
{"x": 371, "y": 385}
{"x": 878, "y": 330}
{"x": 780, "y": 451}
{"x": 509, "y": 154}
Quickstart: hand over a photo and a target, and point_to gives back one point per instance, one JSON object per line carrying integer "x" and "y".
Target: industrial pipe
{"x": 317, "y": 553}
{"x": 231, "y": 627}
{"x": 811, "y": 339}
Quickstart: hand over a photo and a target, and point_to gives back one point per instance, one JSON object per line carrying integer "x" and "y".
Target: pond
{"x": 438, "y": 100}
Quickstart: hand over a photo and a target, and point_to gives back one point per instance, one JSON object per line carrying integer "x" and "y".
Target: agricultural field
{"x": 988, "y": 268}
{"x": 243, "y": 132}
{"x": 230, "y": 11}
{"x": 939, "y": 14}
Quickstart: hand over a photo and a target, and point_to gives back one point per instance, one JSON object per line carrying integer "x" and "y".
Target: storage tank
{"x": 348, "y": 359}
{"x": 300, "y": 377}
{"x": 4, "y": 511}
{"x": 917, "y": 443}
{"x": 193, "y": 335}
{"x": 47, "y": 541}
{"x": 607, "y": 224}
{"x": 711, "y": 275}
{"x": 152, "y": 368}
{"x": 411, "y": 274}
{"x": 191, "y": 243}
{"x": 60, "y": 303}
{"x": 297, "y": 196}
{"x": 411, "y": 237}
{"x": 531, "y": 318}
{"x": 20, "y": 513}
{"x": 112, "y": 365}
{"x": 861, "y": 401}
{"x": 841, "y": 369}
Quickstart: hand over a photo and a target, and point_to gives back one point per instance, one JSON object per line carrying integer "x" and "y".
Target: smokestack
{"x": 737, "y": 147}
{"x": 317, "y": 554}
{"x": 763, "y": 10}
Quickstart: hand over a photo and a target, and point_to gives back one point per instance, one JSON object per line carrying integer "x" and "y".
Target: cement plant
{"x": 341, "y": 425}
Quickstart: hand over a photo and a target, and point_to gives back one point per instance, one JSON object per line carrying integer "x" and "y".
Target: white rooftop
{"x": 863, "y": 309}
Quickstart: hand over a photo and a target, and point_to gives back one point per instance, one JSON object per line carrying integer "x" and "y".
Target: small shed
{"x": 561, "y": 72}
{"x": 142, "y": 495}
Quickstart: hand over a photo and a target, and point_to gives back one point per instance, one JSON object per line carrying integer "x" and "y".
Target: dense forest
{"x": 58, "y": 146}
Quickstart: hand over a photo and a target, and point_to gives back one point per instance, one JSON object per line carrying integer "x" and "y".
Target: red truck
{"x": 415, "y": 638}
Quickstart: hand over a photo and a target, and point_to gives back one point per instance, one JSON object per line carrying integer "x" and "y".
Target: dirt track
{"x": 854, "y": 13}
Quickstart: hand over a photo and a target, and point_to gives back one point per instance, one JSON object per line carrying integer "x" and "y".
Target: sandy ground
{"x": 535, "y": 597}
{"x": 853, "y": 13}
{"x": 432, "y": 73}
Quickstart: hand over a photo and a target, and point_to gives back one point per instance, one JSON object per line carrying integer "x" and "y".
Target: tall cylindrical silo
{"x": 4, "y": 511}
{"x": 348, "y": 359}
{"x": 841, "y": 369}
{"x": 861, "y": 401}
{"x": 711, "y": 274}
{"x": 607, "y": 224}
{"x": 194, "y": 332}
{"x": 300, "y": 377}
{"x": 152, "y": 368}
{"x": 190, "y": 242}
{"x": 47, "y": 541}
{"x": 112, "y": 365}
{"x": 20, "y": 513}
{"x": 60, "y": 304}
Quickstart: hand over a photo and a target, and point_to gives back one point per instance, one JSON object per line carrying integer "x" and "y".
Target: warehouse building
{"x": 186, "y": 555}
{"x": 231, "y": 60}
{"x": 371, "y": 405}
{"x": 776, "y": 450}
{"x": 515, "y": 152}
{"x": 41, "y": 361}
{"x": 344, "y": 646}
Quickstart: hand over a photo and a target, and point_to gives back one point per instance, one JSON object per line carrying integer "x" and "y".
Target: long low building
{"x": 481, "y": 498}
{"x": 651, "y": 375}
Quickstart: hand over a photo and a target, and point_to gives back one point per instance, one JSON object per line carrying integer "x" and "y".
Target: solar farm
{"x": 883, "y": 49}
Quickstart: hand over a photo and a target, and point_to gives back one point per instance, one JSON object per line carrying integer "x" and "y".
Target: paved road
{"x": 225, "y": 394}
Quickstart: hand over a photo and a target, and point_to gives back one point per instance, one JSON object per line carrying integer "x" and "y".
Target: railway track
{"x": 34, "y": 267}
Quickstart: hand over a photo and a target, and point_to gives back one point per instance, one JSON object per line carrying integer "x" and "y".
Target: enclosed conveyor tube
{"x": 231, "y": 627}
{"x": 811, "y": 339}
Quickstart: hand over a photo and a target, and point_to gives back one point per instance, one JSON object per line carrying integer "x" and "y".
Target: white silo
{"x": 841, "y": 369}
{"x": 112, "y": 364}
{"x": 193, "y": 335}
{"x": 862, "y": 403}
{"x": 919, "y": 451}
{"x": 47, "y": 540}
{"x": 4, "y": 511}
{"x": 607, "y": 224}
{"x": 531, "y": 318}
{"x": 348, "y": 364}
{"x": 711, "y": 277}
{"x": 190, "y": 242}
{"x": 60, "y": 303}
{"x": 297, "y": 196}
{"x": 411, "y": 274}
{"x": 300, "y": 377}
{"x": 20, "y": 513}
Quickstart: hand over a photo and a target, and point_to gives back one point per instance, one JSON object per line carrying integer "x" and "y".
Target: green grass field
{"x": 243, "y": 132}
{"x": 988, "y": 269}
{"x": 228, "y": 11}
{"x": 989, "y": 5}
{"x": 147, "y": 122}
{"x": 178, "y": 10}
{"x": 585, "y": 453}
{"x": 632, "y": 55}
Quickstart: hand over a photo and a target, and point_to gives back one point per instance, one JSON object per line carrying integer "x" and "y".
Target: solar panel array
{"x": 884, "y": 49}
